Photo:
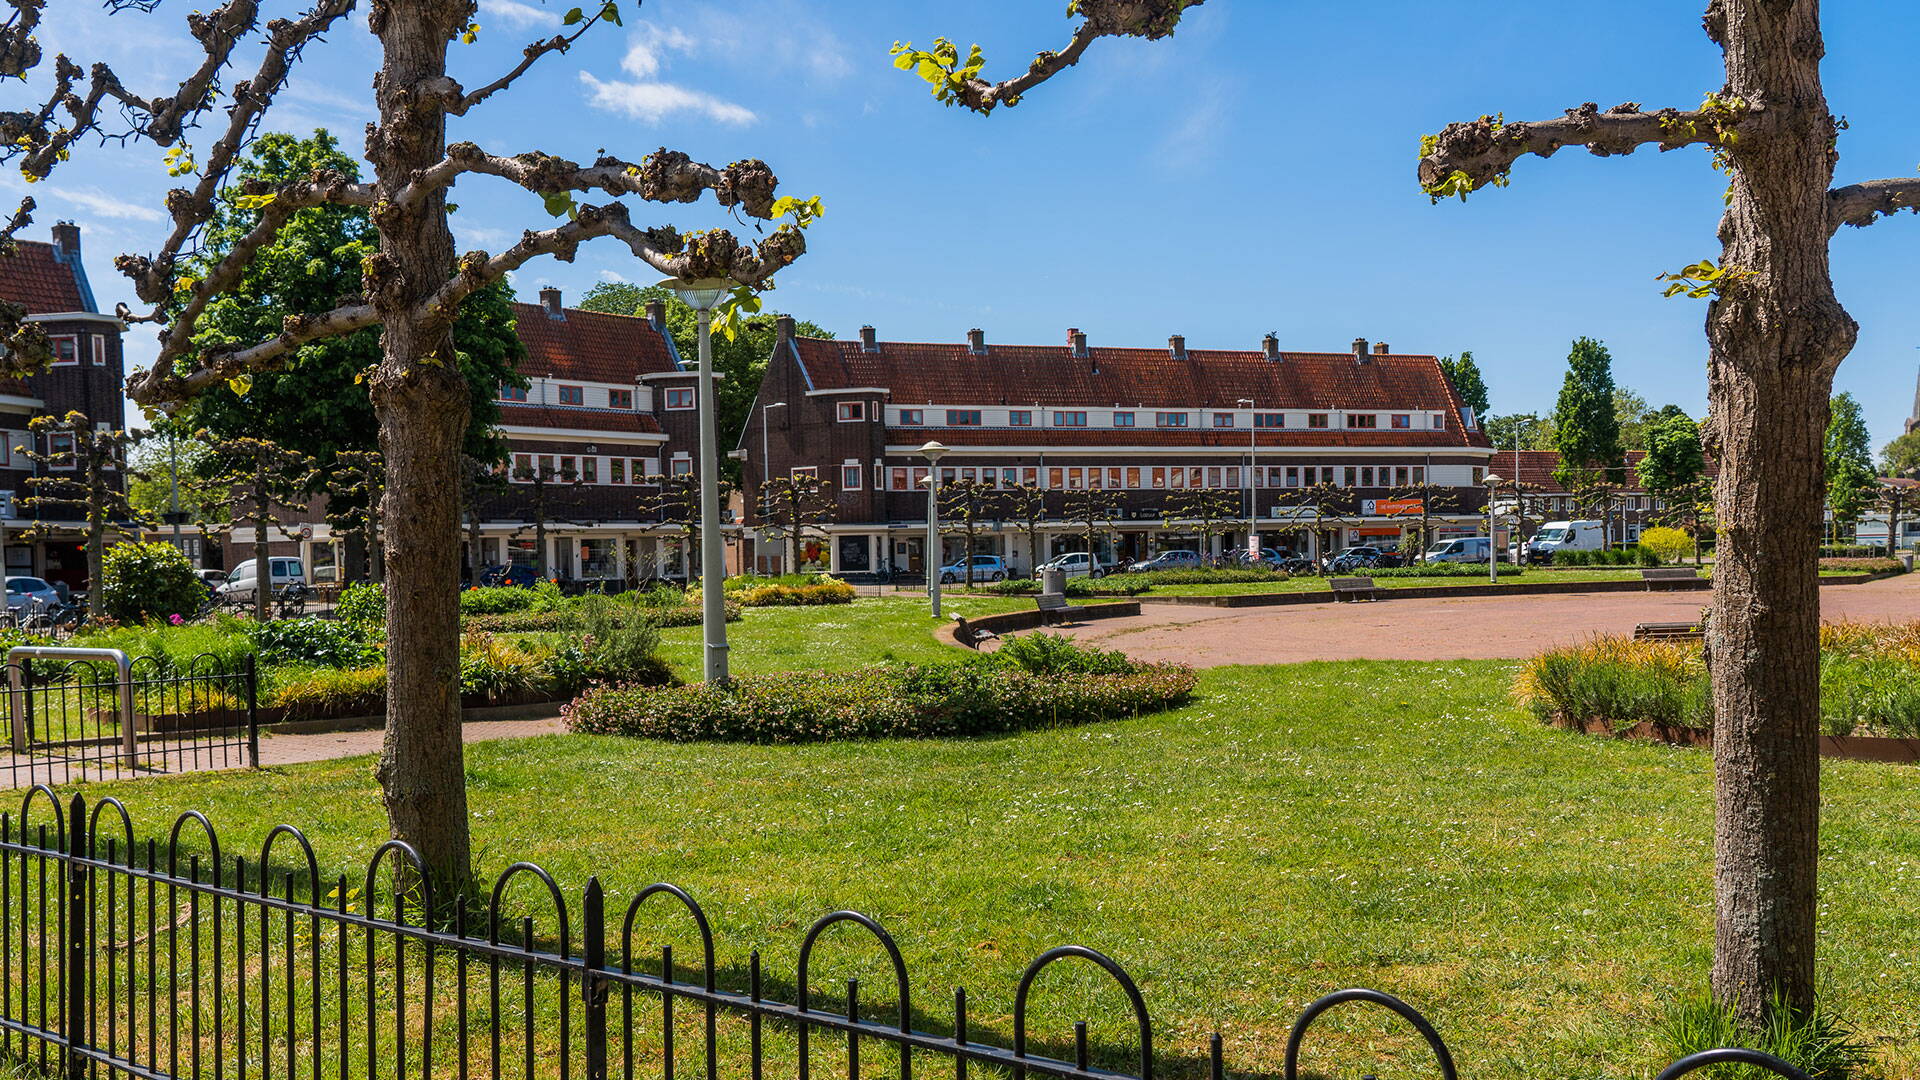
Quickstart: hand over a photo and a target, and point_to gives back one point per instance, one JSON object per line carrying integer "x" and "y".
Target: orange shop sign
{"x": 1396, "y": 507}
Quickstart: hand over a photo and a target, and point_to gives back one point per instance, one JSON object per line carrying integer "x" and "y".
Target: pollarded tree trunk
{"x": 421, "y": 402}
{"x": 1776, "y": 338}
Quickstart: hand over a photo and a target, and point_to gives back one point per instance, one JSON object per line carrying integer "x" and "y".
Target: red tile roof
{"x": 1049, "y": 376}
{"x": 1224, "y": 438}
{"x": 33, "y": 276}
{"x": 565, "y": 416}
{"x": 590, "y": 345}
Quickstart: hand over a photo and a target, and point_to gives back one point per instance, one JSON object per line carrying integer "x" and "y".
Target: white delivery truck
{"x": 1556, "y": 536}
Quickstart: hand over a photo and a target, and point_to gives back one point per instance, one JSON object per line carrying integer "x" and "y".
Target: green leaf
{"x": 558, "y": 203}
{"x": 612, "y": 13}
{"x": 573, "y": 17}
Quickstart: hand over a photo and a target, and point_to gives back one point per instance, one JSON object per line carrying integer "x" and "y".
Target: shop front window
{"x": 597, "y": 559}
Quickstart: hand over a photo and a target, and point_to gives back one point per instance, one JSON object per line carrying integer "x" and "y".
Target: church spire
{"x": 1913, "y": 421}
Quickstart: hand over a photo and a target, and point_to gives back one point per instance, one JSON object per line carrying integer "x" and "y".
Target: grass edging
{"x": 1519, "y": 588}
{"x": 1878, "y": 748}
{"x": 545, "y": 709}
{"x": 1008, "y": 621}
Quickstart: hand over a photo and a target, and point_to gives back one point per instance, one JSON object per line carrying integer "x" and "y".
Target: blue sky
{"x": 1253, "y": 173}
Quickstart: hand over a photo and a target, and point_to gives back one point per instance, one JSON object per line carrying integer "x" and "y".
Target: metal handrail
{"x": 17, "y": 691}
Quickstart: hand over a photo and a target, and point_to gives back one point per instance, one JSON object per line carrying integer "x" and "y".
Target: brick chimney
{"x": 1360, "y": 350}
{"x": 657, "y": 315}
{"x": 66, "y": 237}
{"x": 550, "y": 299}
{"x": 1177, "y": 347}
{"x": 977, "y": 341}
{"x": 1381, "y": 348}
{"x": 868, "y": 341}
{"x": 783, "y": 329}
{"x": 1077, "y": 339}
{"x": 1270, "y": 347}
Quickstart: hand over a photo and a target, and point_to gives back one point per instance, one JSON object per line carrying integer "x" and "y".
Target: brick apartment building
{"x": 87, "y": 375}
{"x": 610, "y": 403}
{"x": 1145, "y": 424}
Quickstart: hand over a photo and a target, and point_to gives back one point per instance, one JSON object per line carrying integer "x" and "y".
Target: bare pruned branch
{"x": 533, "y": 52}
{"x": 959, "y": 83}
{"x": 161, "y": 385}
{"x": 663, "y": 176}
{"x": 1466, "y": 157}
{"x": 1861, "y": 205}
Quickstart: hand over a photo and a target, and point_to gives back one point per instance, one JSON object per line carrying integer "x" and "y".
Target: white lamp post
{"x": 1253, "y": 493}
{"x": 1493, "y": 482}
{"x": 933, "y": 452}
{"x": 701, "y": 296}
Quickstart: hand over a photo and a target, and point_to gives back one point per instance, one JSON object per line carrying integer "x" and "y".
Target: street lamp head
{"x": 701, "y": 293}
{"x": 934, "y": 451}
{"x": 1247, "y": 401}
{"x": 776, "y": 405}
{"x": 1494, "y": 480}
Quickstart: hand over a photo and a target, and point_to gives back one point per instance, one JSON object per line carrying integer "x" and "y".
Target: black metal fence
{"x": 96, "y": 716}
{"x": 137, "y": 958}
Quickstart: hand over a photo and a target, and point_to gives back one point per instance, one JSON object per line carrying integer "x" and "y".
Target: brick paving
{"x": 1467, "y": 628}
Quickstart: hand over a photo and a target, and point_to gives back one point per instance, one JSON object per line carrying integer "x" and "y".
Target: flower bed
{"x": 785, "y": 594}
{"x": 1053, "y": 684}
{"x": 1851, "y": 565}
{"x": 1869, "y": 683}
{"x": 534, "y": 622}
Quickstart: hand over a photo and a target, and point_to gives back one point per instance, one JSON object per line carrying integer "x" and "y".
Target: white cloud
{"x": 652, "y": 102}
{"x": 643, "y": 59}
{"x": 613, "y": 276}
{"x": 108, "y": 206}
{"x": 516, "y": 14}
{"x": 775, "y": 35}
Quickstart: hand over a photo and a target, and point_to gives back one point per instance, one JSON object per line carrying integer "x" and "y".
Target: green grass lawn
{"x": 1542, "y": 895}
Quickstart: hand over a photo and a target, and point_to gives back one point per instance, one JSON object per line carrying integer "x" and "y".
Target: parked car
{"x": 1362, "y": 557}
{"x": 1075, "y": 565}
{"x": 1465, "y": 549}
{"x": 26, "y": 591}
{"x": 213, "y": 579}
{"x": 1556, "y": 536}
{"x": 985, "y": 568}
{"x": 240, "y": 584}
{"x": 515, "y": 576}
{"x": 1269, "y": 559}
{"x": 1168, "y": 560}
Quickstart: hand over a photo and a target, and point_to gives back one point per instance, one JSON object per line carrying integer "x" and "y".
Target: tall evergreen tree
{"x": 1465, "y": 376}
{"x": 1849, "y": 462}
{"x": 1586, "y": 429}
{"x": 1674, "y": 459}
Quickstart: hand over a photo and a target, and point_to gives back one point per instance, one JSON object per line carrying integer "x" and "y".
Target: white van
{"x": 239, "y": 585}
{"x": 1466, "y": 549}
{"x": 1556, "y": 536}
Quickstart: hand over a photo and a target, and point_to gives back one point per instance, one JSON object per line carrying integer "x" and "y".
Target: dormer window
{"x": 1270, "y": 420}
{"x": 1402, "y": 420}
{"x": 1223, "y": 419}
{"x": 1363, "y": 420}
{"x": 512, "y": 393}
{"x": 1170, "y": 419}
{"x": 1317, "y": 420}
{"x": 620, "y": 399}
{"x": 1123, "y": 419}
{"x": 573, "y": 395}
{"x": 963, "y": 417}
{"x": 912, "y": 417}
{"x": 851, "y": 411}
{"x": 680, "y": 397}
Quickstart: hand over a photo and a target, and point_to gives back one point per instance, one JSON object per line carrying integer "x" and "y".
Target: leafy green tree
{"x": 1901, "y": 454}
{"x": 739, "y": 360}
{"x": 797, "y": 507}
{"x": 1586, "y": 430}
{"x": 1464, "y": 374}
{"x": 1674, "y": 459}
{"x": 319, "y": 405}
{"x": 167, "y": 468}
{"x": 1849, "y": 463}
{"x": 1535, "y": 432}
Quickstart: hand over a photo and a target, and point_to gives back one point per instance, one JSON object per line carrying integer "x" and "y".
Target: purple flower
{"x": 175, "y": 619}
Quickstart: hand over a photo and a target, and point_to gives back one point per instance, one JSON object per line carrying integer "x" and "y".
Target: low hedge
{"x": 1443, "y": 570}
{"x": 1225, "y": 575}
{"x": 534, "y": 622}
{"x": 825, "y": 591}
{"x": 1863, "y": 565}
{"x": 1630, "y": 555}
{"x": 1853, "y": 551}
{"x": 982, "y": 695}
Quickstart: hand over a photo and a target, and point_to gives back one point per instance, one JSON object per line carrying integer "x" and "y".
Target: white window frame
{"x": 681, "y": 393}
{"x": 53, "y": 342}
{"x": 850, "y": 412}
{"x": 852, "y": 477}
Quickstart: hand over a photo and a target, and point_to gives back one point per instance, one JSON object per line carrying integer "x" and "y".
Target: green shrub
{"x": 739, "y": 582}
{"x": 494, "y": 667}
{"x": 1627, "y": 555}
{"x": 1864, "y": 566}
{"x": 827, "y": 591}
{"x": 1057, "y": 654}
{"x": 616, "y": 641}
{"x": 534, "y": 622}
{"x": 1133, "y": 584}
{"x": 1445, "y": 570}
{"x": 172, "y": 650}
{"x": 312, "y": 642}
{"x": 1076, "y": 586}
{"x": 1821, "y": 1045}
{"x": 978, "y": 696}
{"x": 147, "y": 581}
{"x": 1671, "y": 545}
{"x": 365, "y": 604}
{"x": 331, "y": 691}
{"x": 496, "y": 599}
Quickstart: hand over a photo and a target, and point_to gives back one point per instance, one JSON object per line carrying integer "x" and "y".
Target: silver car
{"x": 28, "y": 591}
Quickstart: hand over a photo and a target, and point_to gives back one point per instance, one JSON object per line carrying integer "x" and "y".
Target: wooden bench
{"x": 969, "y": 636}
{"x": 1669, "y": 576}
{"x": 1669, "y": 631}
{"x": 1352, "y": 588}
{"x": 1053, "y": 608}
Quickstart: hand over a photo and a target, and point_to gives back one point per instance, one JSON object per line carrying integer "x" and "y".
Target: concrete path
{"x": 292, "y": 749}
{"x": 1469, "y": 628}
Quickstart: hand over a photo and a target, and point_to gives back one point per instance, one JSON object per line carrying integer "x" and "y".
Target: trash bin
{"x": 1907, "y": 560}
{"x": 1053, "y": 580}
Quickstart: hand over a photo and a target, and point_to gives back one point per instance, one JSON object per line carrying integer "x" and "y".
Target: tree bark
{"x": 1776, "y": 337}
{"x": 421, "y": 402}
